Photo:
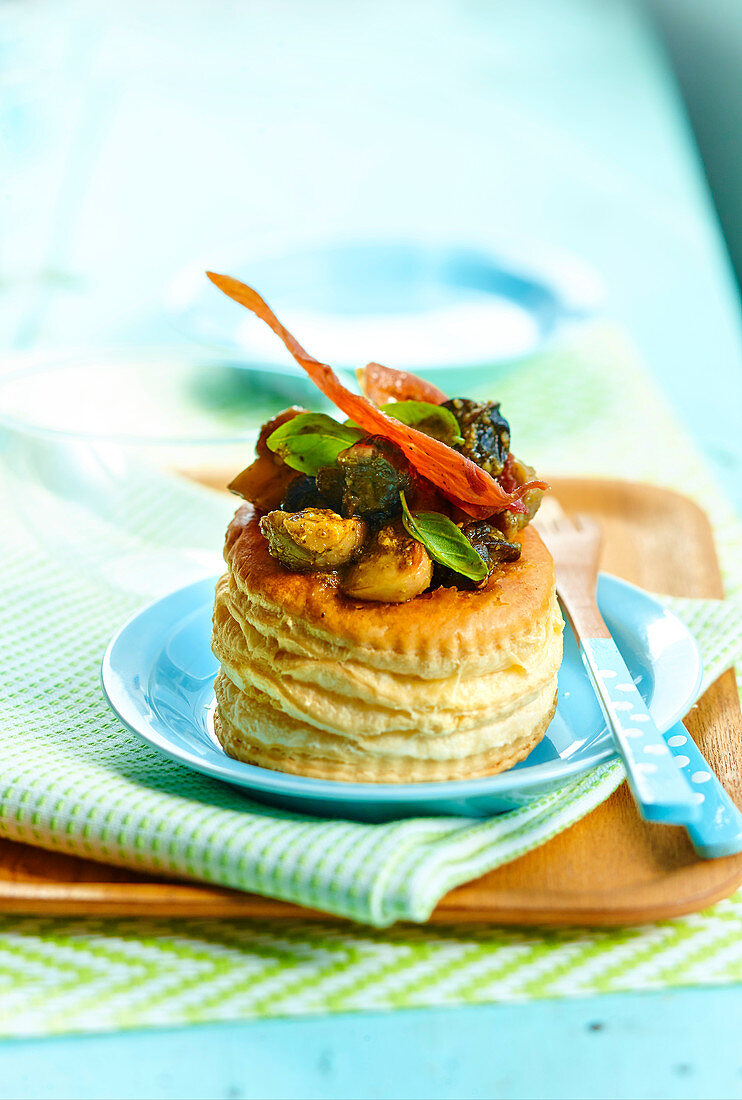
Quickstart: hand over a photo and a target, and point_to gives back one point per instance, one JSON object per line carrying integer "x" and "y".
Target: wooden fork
{"x": 661, "y": 790}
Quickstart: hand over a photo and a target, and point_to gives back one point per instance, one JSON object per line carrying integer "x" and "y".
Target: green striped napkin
{"x": 73, "y": 780}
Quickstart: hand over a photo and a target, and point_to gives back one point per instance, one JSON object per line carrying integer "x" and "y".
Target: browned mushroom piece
{"x": 314, "y": 539}
{"x": 393, "y": 568}
{"x": 485, "y": 432}
{"x": 374, "y": 471}
{"x": 491, "y": 545}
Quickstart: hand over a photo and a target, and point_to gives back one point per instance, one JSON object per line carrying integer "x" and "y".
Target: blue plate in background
{"x": 158, "y": 674}
{"x": 409, "y": 305}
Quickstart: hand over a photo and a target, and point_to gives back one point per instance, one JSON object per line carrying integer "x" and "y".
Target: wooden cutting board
{"x": 610, "y": 868}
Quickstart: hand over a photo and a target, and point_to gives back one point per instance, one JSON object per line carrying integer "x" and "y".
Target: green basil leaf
{"x": 432, "y": 419}
{"x": 311, "y": 441}
{"x": 445, "y": 542}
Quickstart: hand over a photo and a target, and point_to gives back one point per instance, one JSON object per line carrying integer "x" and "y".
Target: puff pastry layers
{"x": 453, "y": 684}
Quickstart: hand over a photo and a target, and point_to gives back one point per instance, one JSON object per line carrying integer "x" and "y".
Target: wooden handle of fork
{"x": 578, "y": 602}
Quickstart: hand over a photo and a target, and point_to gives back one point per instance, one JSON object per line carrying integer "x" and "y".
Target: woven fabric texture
{"x": 74, "y": 780}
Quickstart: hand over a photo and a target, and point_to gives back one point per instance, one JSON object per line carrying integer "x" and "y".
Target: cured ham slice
{"x": 381, "y": 384}
{"x": 463, "y": 482}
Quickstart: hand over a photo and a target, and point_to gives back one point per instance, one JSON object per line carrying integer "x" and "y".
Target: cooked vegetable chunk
{"x": 302, "y": 493}
{"x": 485, "y": 432}
{"x": 323, "y": 491}
{"x": 394, "y": 568}
{"x": 518, "y": 473}
{"x": 491, "y": 544}
{"x": 493, "y": 548}
{"x": 263, "y": 483}
{"x": 313, "y": 539}
{"x": 374, "y": 472}
{"x": 331, "y": 484}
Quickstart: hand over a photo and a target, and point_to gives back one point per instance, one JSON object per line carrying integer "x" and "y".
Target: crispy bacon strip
{"x": 475, "y": 492}
{"x": 381, "y": 384}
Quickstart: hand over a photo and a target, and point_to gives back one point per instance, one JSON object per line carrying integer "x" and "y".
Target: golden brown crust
{"x": 449, "y": 622}
{"x": 349, "y": 696}
{"x": 453, "y": 684}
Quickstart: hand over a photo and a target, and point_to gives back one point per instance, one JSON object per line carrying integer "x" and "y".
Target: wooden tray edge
{"x": 177, "y": 900}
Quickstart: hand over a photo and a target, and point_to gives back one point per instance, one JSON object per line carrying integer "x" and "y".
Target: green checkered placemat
{"x": 73, "y": 780}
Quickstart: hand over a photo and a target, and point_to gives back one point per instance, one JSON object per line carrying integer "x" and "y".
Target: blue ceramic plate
{"x": 158, "y": 674}
{"x": 410, "y": 305}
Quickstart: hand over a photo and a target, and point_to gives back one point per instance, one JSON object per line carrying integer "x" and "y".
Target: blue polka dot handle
{"x": 718, "y": 829}
{"x": 659, "y": 786}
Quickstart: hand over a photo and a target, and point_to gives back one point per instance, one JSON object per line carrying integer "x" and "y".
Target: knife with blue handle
{"x": 717, "y": 831}
{"x": 662, "y": 791}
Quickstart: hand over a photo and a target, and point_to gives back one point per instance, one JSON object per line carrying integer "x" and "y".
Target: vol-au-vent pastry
{"x": 388, "y": 614}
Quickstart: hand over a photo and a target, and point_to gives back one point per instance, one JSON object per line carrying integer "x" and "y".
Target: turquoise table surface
{"x": 143, "y": 136}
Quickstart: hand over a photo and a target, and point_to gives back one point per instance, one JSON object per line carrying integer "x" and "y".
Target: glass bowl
{"x": 116, "y": 463}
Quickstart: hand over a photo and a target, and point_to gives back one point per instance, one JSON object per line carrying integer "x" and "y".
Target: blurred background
{"x": 433, "y": 183}
{"x": 704, "y": 43}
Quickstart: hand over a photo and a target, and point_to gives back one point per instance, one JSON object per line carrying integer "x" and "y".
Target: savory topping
{"x": 331, "y": 485}
{"x": 374, "y": 474}
{"x": 519, "y": 473}
{"x": 434, "y": 420}
{"x": 493, "y": 548}
{"x": 265, "y": 481}
{"x": 311, "y": 440}
{"x": 445, "y": 542}
{"x": 313, "y": 539}
{"x": 431, "y": 419}
{"x": 473, "y": 490}
{"x": 261, "y": 447}
{"x": 393, "y": 569}
{"x": 486, "y": 434}
{"x": 418, "y": 493}
{"x": 379, "y": 384}
{"x": 490, "y": 544}
{"x": 303, "y": 493}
